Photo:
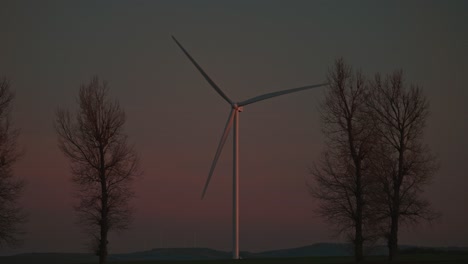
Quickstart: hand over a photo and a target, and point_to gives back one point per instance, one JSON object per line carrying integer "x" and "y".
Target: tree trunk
{"x": 358, "y": 238}
{"x": 103, "y": 252}
{"x": 358, "y": 244}
{"x": 104, "y": 230}
{"x": 393, "y": 239}
{"x": 359, "y": 241}
{"x": 104, "y": 212}
{"x": 395, "y": 215}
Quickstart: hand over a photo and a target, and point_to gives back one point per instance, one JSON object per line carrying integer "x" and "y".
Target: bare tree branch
{"x": 103, "y": 165}
{"x": 342, "y": 175}
{"x": 11, "y": 214}
{"x": 402, "y": 164}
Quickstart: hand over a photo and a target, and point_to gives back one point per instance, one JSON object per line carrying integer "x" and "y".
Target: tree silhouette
{"x": 11, "y": 215}
{"x": 342, "y": 177}
{"x": 402, "y": 163}
{"x": 103, "y": 165}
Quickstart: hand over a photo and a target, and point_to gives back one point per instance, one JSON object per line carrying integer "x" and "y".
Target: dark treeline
{"x": 370, "y": 176}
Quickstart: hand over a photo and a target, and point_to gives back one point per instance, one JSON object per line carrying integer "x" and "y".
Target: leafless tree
{"x": 402, "y": 163}
{"x": 103, "y": 164}
{"x": 11, "y": 215}
{"x": 342, "y": 176}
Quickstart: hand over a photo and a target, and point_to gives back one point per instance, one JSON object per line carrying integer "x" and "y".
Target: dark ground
{"x": 431, "y": 258}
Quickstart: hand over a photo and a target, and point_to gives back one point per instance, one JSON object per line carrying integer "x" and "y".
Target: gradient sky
{"x": 175, "y": 118}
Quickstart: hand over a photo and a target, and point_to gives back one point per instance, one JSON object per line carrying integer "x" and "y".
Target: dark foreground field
{"x": 406, "y": 259}
{"x": 448, "y": 258}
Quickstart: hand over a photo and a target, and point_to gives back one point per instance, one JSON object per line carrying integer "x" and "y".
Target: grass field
{"x": 430, "y": 258}
{"x": 407, "y": 259}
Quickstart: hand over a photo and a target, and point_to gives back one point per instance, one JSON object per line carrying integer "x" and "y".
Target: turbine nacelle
{"x": 237, "y": 108}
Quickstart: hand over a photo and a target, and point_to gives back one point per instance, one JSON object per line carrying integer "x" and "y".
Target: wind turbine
{"x": 233, "y": 119}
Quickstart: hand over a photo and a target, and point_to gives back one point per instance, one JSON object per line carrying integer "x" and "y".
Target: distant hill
{"x": 320, "y": 249}
{"x": 315, "y": 250}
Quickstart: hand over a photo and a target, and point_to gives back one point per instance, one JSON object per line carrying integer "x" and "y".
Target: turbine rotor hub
{"x": 238, "y": 108}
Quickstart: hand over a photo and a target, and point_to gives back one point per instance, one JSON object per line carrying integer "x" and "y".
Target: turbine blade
{"x": 207, "y": 78}
{"x": 227, "y": 128}
{"x": 274, "y": 94}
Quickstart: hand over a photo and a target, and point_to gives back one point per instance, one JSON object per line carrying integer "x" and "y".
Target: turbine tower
{"x": 233, "y": 119}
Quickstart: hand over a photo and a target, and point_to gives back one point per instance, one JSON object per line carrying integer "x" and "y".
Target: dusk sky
{"x": 175, "y": 119}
